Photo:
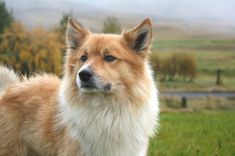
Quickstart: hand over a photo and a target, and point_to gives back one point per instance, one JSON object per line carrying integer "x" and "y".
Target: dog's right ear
{"x": 139, "y": 38}
{"x": 75, "y": 34}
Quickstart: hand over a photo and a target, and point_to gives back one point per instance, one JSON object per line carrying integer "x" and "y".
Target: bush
{"x": 187, "y": 67}
{"x": 169, "y": 67}
{"x": 174, "y": 65}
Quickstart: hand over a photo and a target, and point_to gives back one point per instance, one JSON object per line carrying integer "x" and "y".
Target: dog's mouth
{"x": 92, "y": 88}
{"x": 88, "y": 86}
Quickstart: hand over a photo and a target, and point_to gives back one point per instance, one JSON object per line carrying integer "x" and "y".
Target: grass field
{"x": 205, "y": 132}
{"x": 210, "y": 56}
{"x": 195, "y": 134}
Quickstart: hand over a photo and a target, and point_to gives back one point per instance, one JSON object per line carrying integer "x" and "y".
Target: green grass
{"x": 195, "y": 134}
{"x": 195, "y": 44}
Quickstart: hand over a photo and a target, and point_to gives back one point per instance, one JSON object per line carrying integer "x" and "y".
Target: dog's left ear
{"x": 140, "y": 37}
{"x": 75, "y": 34}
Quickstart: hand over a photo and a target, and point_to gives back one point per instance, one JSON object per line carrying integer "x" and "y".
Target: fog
{"x": 216, "y": 10}
{"x": 220, "y": 12}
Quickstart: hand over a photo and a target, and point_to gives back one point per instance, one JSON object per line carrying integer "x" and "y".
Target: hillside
{"x": 167, "y": 26}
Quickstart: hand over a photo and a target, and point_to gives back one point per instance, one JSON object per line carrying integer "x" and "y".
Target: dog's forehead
{"x": 101, "y": 42}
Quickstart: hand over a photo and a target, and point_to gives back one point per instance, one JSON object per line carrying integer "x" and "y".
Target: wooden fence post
{"x": 218, "y": 77}
{"x": 184, "y": 102}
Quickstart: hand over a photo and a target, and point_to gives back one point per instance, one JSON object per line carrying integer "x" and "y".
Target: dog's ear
{"x": 75, "y": 34}
{"x": 139, "y": 38}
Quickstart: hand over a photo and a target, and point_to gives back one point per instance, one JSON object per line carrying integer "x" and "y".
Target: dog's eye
{"x": 109, "y": 58}
{"x": 83, "y": 58}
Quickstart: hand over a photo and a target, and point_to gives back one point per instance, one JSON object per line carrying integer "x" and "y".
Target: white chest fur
{"x": 105, "y": 129}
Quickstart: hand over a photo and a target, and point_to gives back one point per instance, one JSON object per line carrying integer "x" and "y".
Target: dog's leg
{"x": 10, "y": 143}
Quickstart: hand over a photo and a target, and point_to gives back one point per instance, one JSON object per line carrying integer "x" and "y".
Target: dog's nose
{"x": 85, "y": 75}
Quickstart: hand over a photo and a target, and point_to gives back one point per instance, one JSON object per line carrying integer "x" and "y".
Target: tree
{"x": 111, "y": 25}
{"x": 46, "y": 51}
{"x": 5, "y": 16}
{"x": 30, "y": 51}
{"x": 61, "y": 30}
{"x": 14, "y": 47}
{"x": 64, "y": 21}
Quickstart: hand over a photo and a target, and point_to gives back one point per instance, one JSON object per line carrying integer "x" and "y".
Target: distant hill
{"x": 48, "y": 13}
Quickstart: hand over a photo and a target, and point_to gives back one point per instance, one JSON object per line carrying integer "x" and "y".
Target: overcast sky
{"x": 217, "y": 10}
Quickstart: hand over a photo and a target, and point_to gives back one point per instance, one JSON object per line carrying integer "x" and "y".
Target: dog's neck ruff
{"x": 109, "y": 126}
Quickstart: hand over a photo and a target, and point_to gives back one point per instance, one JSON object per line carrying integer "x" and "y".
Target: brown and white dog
{"x": 105, "y": 105}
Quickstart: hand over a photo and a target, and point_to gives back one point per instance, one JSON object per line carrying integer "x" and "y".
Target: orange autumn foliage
{"x": 31, "y": 50}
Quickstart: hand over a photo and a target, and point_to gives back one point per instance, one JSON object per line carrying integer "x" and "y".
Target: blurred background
{"x": 193, "y": 57}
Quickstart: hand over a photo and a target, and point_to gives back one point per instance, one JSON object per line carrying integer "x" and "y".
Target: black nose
{"x": 85, "y": 75}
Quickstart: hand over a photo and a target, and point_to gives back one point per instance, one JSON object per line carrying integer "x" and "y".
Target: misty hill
{"x": 48, "y": 13}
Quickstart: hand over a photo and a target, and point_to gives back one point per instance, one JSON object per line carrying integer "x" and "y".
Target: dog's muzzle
{"x": 88, "y": 82}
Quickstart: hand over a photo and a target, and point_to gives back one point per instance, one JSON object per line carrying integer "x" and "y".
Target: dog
{"x": 106, "y": 104}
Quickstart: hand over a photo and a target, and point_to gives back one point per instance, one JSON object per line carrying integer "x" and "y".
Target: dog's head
{"x": 107, "y": 63}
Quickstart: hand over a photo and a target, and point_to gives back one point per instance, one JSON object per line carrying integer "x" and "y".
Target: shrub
{"x": 174, "y": 65}
{"x": 187, "y": 67}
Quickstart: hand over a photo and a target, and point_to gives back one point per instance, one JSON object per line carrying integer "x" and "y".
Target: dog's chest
{"x": 107, "y": 131}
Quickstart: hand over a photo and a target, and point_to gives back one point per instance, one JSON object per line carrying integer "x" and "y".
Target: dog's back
{"x": 27, "y": 113}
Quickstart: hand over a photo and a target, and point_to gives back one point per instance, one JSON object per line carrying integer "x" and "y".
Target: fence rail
{"x": 196, "y": 94}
